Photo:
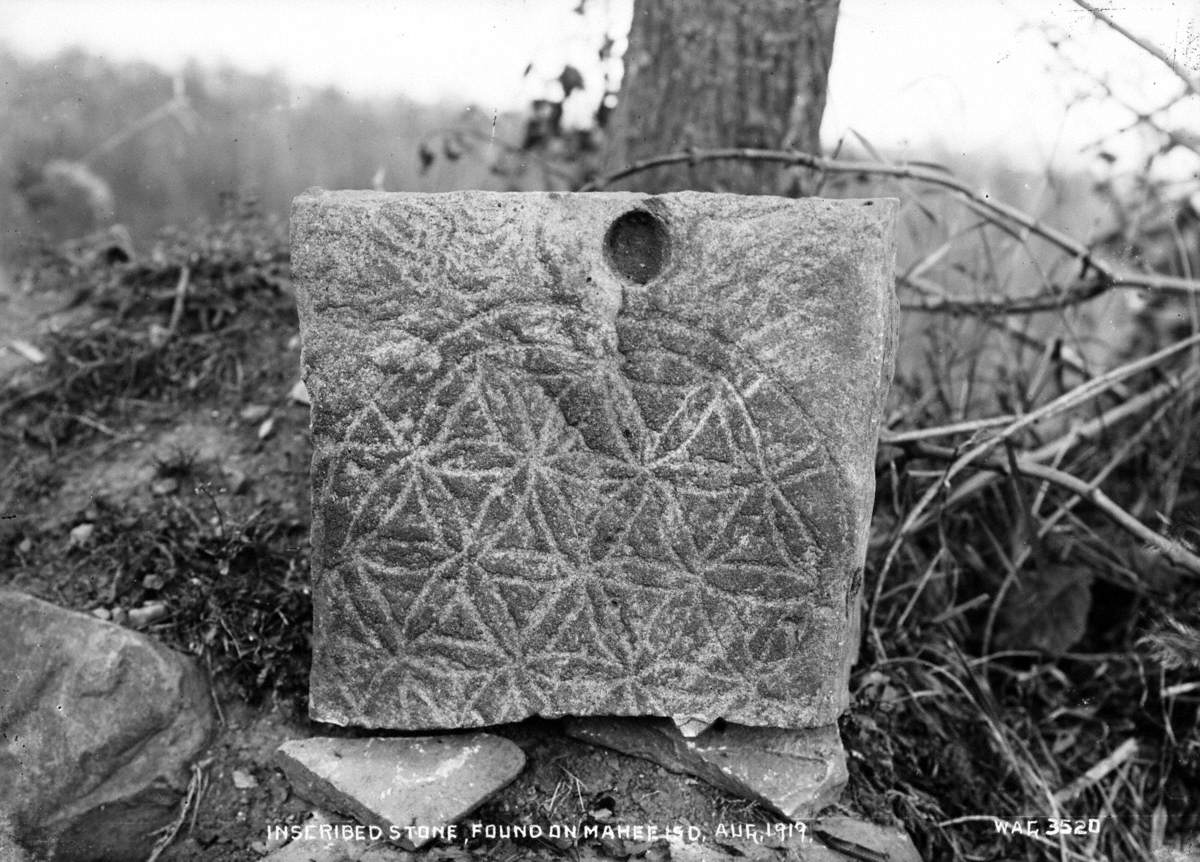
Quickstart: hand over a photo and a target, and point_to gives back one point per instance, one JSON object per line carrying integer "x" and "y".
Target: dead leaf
{"x": 1047, "y": 610}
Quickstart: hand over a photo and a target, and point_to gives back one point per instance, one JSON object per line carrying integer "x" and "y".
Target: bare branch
{"x": 1172, "y": 550}
{"x": 1107, "y": 274}
{"x": 1059, "y": 447}
{"x": 1069, "y": 400}
{"x": 1055, "y": 300}
{"x": 1149, "y": 47}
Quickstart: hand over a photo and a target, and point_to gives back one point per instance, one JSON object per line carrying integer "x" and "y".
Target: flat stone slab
{"x": 795, "y": 773}
{"x": 601, "y": 454}
{"x": 411, "y": 788}
{"x": 98, "y": 728}
{"x": 847, "y": 837}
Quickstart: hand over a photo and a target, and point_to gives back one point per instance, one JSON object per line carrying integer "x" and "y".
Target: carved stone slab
{"x": 589, "y": 454}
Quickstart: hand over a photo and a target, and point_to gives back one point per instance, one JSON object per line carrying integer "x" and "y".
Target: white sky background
{"x": 969, "y": 74}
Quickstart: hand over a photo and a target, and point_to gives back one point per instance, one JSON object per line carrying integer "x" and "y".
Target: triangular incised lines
{"x": 535, "y": 519}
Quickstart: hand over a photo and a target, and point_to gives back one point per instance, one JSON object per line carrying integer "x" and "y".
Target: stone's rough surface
{"x": 541, "y": 486}
{"x": 98, "y": 726}
{"x": 421, "y": 782}
{"x": 795, "y": 773}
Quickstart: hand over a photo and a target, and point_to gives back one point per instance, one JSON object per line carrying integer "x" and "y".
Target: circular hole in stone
{"x": 636, "y": 245}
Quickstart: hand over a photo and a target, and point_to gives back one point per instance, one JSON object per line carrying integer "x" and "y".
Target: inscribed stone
{"x": 589, "y": 454}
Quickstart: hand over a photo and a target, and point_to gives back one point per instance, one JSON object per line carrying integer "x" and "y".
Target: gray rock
{"x": 834, "y": 833}
{"x": 795, "y": 773}
{"x": 410, "y": 788}
{"x": 600, "y": 454}
{"x": 99, "y": 727}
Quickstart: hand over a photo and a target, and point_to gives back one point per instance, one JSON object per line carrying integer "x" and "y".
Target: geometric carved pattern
{"x": 536, "y": 493}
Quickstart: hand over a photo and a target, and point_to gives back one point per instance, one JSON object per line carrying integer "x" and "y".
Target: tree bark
{"x": 722, "y": 73}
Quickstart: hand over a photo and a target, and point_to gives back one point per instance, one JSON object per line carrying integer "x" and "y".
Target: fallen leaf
{"x": 1047, "y": 610}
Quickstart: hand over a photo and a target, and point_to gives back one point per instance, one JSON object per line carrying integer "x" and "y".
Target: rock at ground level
{"x": 837, "y": 835}
{"x": 99, "y": 727}
{"x": 411, "y": 788}
{"x": 794, "y": 772}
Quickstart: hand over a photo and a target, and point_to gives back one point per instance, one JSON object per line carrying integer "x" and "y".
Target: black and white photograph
{"x": 647, "y": 430}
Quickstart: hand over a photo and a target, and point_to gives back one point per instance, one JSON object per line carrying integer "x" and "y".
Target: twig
{"x": 1118, "y": 458}
{"x": 1172, "y": 550}
{"x": 1140, "y": 118}
{"x": 969, "y": 427}
{"x": 195, "y": 789}
{"x": 1123, "y": 752}
{"x": 849, "y": 848}
{"x": 181, "y": 290}
{"x": 177, "y": 107}
{"x": 1067, "y": 401}
{"x": 1079, "y": 433}
{"x": 1107, "y": 273}
{"x": 1053, "y": 300}
{"x": 92, "y": 423}
{"x": 1149, "y": 47}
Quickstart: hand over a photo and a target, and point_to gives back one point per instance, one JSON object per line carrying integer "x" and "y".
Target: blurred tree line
{"x": 86, "y": 142}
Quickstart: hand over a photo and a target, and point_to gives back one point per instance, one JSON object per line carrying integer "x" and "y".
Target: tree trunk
{"x": 722, "y": 73}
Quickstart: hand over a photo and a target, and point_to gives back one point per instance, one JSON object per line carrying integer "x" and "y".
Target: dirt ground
{"x": 564, "y": 782}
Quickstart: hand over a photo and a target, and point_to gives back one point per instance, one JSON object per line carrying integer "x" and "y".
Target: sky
{"x": 907, "y": 74}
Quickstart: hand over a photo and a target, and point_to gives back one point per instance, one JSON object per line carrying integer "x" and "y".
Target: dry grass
{"x": 163, "y": 335}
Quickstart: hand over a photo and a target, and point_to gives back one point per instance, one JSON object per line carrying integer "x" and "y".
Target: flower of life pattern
{"x": 533, "y": 515}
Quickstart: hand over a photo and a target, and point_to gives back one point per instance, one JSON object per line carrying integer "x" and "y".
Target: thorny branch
{"x": 1025, "y": 466}
{"x": 1190, "y": 82}
{"x": 1105, "y": 275}
{"x": 1068, "y": 401}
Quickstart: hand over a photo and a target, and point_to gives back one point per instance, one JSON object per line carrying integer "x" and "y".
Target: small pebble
{"x": 147, "y": 614}
{"x": 81, "y": 534}
{"x": 266, "y": 429}
{"x": 255, "y": 412}
{"x": 102, "y": 613}
{"x": 158, "y": 335}
{"x": 163, "y": 487}
{"x": 243, "y": 780}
